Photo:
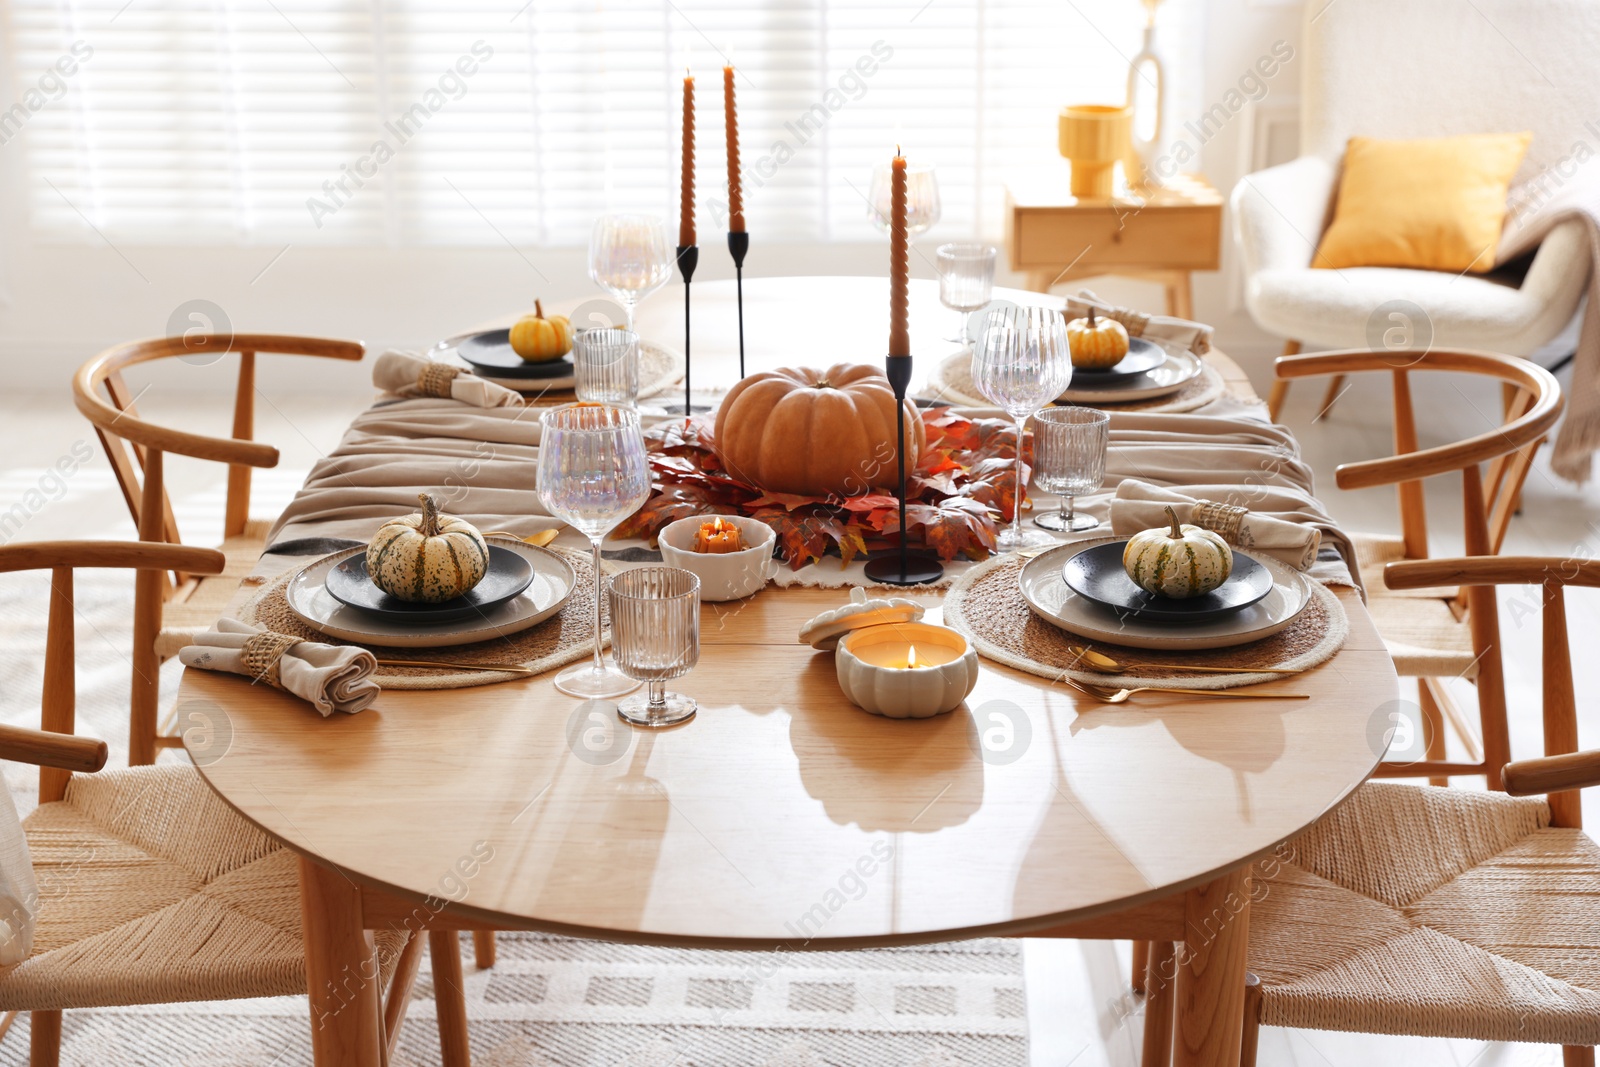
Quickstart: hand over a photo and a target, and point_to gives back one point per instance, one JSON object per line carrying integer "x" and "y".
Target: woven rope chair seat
{"x": 152, "y": 890}
{"x": 1436, "y": 913}
{"x": 184, "y": 620}
{"x": 1418, "y": 626}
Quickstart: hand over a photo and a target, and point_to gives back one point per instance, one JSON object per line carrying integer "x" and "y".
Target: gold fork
{"x": 1119, "y": 696}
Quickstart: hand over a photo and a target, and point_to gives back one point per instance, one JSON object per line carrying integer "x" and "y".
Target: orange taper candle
{"x": 731, "y": 116}
{"x": 686, "y": 205}
{"x": 899, "y": 262}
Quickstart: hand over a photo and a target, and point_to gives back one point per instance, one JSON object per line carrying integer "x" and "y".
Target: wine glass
{"x": 922, "y": 197}
{"x": 1069, "y": 456}
{"x": 1022, "y": 364}
{"x": 593, "y": 473}
{"x": 966, "y": 281}
{"x": 629, "y": 258}
{"x": 655, "y": 632}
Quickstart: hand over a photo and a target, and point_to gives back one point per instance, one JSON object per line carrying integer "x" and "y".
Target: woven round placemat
{"x": 986, "y": 605}
{"x": 566, "y": 636}
{"x": 951, "y": 381}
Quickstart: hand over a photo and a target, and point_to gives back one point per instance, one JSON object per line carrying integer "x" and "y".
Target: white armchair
{"x": 1420, "y": 68}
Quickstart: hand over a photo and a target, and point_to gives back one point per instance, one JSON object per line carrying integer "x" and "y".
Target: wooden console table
{"x": 1054, "y": 237}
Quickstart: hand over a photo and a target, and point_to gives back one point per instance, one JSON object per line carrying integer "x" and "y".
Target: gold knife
{"x": 511, "y": 668}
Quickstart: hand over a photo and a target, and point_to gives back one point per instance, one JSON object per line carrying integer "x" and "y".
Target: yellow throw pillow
{"x": 1433, "y": 204}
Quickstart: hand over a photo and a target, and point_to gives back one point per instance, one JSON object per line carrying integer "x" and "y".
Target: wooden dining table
{"x": 1031, "y": 810}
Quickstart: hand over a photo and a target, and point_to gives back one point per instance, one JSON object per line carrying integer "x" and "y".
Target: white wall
{"x": 60, "y": 304}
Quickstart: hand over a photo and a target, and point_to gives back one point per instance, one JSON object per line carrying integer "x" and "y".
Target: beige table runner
{"x": 482, "y": 465}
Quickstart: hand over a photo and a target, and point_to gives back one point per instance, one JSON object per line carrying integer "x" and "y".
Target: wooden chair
{"x": 151, "y": 889}
{"x": 1446, "y": 912}
{"x": 187, "y": 604}
{"x": 1441, "y": 633}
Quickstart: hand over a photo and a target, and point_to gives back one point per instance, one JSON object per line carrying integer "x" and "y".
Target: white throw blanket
{"x": 1532, "y": 217}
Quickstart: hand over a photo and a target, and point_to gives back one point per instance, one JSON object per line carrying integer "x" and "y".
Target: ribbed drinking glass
{"x": 605, "y": 362}
{"x": 655, "y": 633}
{"x": 1021, "y": 364}
{"x": 1069, "y": 460}
{"x": 593, "y": 473}
{"x": 966, "y": 281}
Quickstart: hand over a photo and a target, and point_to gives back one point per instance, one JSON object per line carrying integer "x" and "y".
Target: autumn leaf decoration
{"x": 964, "y": 487}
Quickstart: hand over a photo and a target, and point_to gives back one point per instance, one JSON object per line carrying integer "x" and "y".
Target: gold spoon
{"x": 1101, "y": 663}
{"x": 538, "y": 540}
{"x": 1117, "y": 696}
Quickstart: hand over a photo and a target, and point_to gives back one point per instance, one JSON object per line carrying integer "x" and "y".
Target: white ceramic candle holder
{"x": 723, "y": 575}
{"x": 873, "y": 669}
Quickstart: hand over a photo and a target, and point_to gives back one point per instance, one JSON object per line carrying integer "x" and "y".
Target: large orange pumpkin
{"x": 815, "y": 432}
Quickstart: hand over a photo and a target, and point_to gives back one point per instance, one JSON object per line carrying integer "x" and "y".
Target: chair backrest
{"x": 1493, "y": 465}
{"x": 135, "y": 446}
{"x": 1435, "y": 68}
{"x": 58, "y": 708}
{"x": 1560, "y": 769}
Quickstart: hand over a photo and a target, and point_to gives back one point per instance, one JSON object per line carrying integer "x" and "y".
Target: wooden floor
{"x": 1079, "y": 1010}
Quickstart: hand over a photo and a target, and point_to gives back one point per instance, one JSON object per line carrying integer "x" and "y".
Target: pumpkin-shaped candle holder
{"x": 906, "y": 670}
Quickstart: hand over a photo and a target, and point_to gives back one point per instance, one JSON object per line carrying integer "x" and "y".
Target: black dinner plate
{"x": 509, "y": 574}
{"x": 1143, "y": 356}
{"x": 491, "y": 353}
{"x": 1096, "y": 574}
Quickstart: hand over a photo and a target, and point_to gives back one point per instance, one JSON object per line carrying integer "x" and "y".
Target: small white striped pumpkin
{"x": 1177, "y": 561}
{"x": 427, "y": 558}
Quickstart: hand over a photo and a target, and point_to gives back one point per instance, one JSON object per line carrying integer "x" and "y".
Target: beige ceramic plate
{"x": 1051, "y": 599}
{"x": 659, "y": 367}
{"x": 553, "y": 581}
{"x": 1181, "y": 368}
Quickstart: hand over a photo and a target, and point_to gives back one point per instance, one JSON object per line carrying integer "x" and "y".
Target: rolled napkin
{"x": 1142, "y": 506}
{"x": 410, "y": 375}
{"x": 1194, "y": 336}
{"x": 329, "y": 677}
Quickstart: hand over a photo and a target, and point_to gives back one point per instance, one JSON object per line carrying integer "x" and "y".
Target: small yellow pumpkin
{"x": 427, "y": 558}
{"x": 1179, "y": 561}
{"x": 538, "y": 339}
{"x": 1096, "y": 342}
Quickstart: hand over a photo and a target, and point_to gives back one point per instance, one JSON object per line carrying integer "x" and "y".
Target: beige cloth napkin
{"x": 1142, "y": 506}
{"x": 408, "y": 374}
{"x": 1194, "y": 336}
{"x": 330, "y": 677}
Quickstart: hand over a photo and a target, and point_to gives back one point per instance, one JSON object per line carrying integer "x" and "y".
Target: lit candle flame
{"x": 911, "y": 656}
{"x": 716, "y": 526}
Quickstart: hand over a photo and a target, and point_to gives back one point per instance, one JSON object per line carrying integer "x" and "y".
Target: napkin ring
{"x": 261, "y": 653}
{"x": 435, "y": 379}
{"x": 1225, "y": 519}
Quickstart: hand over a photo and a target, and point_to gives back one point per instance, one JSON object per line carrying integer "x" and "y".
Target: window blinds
{"x": 466, "y": 122}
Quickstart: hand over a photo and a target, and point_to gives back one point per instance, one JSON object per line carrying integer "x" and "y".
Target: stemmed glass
{"x": 922, "y": 198}
{"x": 593, "y": 473}
{"x": 629, "y": 257}
{"x": 1069, "y": 456}
{"x": 1022, "y": 364}
{"x": 655, "y": 631}
{"x": 966, "y": 281}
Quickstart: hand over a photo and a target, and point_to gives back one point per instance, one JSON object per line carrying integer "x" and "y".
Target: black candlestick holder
{"x": 902, "y": 568}
{"x": 738, "y": 245}
{"x": 688, "y": 259}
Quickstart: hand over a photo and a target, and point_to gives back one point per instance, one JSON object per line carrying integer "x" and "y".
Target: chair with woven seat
{"x": 1431, "y": 912}
{"x": 1437, "y": 634}
{"x": 150, "y": 889}
{"x": 188, "y": 604}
